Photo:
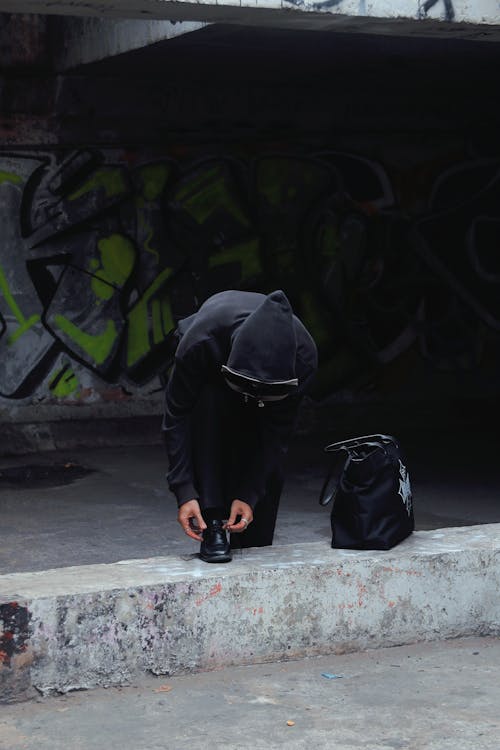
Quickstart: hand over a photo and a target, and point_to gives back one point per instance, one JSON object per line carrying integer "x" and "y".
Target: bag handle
{"x": 330, "y": 485}
{"x": 375, "y": 440}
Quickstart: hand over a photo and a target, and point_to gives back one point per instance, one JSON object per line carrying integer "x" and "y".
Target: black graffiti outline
{"x": 449, "y": 10}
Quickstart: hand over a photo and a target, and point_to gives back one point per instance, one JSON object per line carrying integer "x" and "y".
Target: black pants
{"x": 224, "y": 433}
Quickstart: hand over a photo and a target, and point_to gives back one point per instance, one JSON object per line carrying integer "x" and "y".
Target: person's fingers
{"x": 241, "y": 511}
{"x": 191, "y": 520}
{"x": 231, "y": 520}
{"x": 190, "y": 532}
{"x": 198, "y": 518}
{"x": 237, "y": 528}
{"x": 196, "y": 525}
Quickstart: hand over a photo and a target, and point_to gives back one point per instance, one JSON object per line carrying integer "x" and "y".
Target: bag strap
{"x": 377, "y": 440}
{"x": 331, "y": 483}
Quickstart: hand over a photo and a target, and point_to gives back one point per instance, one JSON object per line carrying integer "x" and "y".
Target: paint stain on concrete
{"x": 251, "y": 610}
{"x": 216, "y": 589}
{"x": 14, "y": 621}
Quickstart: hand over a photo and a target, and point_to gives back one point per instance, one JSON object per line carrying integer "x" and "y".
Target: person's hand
{"x": 191, "y": 520}
{"x": 239, "y": 508}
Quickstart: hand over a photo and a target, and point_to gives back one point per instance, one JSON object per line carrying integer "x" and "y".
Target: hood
{"x": 264, "y": 347}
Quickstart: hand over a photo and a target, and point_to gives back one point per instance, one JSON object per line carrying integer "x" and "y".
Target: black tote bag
{"x": 371, "y": 493}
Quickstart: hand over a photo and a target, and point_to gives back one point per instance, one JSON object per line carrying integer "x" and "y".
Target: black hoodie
{"x": 264, "y": 346}
{"x": 254, "y": 336}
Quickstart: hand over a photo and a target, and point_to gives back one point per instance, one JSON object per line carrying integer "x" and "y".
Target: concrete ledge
{"x": 28, "y": 438}
{"x": 47, "y": 427}
{"x": 102, "y": 624}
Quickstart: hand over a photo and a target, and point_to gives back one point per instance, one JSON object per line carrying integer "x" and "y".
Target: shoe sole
{"x": 216, "y": 558}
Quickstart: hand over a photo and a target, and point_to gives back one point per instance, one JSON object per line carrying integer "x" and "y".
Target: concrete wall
{"x": 90, "y": 39}
{"x": 23, "y": 40}
{"x": 127, "y": 199}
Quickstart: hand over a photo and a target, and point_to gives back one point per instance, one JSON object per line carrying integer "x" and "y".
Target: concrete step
{"x": 96, "y": 625}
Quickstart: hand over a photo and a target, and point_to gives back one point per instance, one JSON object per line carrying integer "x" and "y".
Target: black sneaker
{"x": 215, "y": 546}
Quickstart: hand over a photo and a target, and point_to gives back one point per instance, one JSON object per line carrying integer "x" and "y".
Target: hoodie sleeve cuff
{"x": 250, "y": 498}
{"x": 184, "y": 493}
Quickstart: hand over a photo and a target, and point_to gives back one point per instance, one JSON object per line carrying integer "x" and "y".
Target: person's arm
{"x": 182, "y": 391}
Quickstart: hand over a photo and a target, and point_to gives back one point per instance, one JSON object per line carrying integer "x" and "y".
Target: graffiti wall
{"x": 485, "y": 11}
{"x": 102, "y": 252}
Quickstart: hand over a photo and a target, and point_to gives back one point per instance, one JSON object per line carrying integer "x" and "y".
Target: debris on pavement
{"x": 163, "y": 689}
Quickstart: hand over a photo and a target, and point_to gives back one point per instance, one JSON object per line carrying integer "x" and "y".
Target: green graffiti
{"x": 154, "y": 178}
{"x": 271, "y": 182}
{"x": 138, "y": 343}
{"x": 276, "y": 178}
{"x": 148, "y": 247}
{"x": 117, "y": 257}
{"x": 196, "y": 183}
{"x": 24, "y": 323}
{"x": 63, "y": 382}
{"x": 314, "y": 320}
{"x": 9, "y": 298}
{"x": 25, "y": 326}
{"x": 328, "y": 241}
{"x": 98, "y": 346}
{"x": 247, "y": 254}
{"x": 156, "y": 314}
{"x": 166, "y": 316}
{"x": 111, "y": 180}
{"x": 144, "y": 225}
{"x": 208, "y": 192}
{"x": 10, "y": 177}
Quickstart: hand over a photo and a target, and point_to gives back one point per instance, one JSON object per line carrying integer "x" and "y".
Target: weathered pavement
{"x": 138, "y": 601}
{"x": 431, "y": 696}
{"x": 123, "y": 510}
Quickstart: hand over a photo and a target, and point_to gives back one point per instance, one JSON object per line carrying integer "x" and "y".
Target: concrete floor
{"x": 123, "y": 509}
{"x": 429, "y": 696}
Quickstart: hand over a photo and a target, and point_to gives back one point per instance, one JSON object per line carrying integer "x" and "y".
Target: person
{"x": 242, "y": 365}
